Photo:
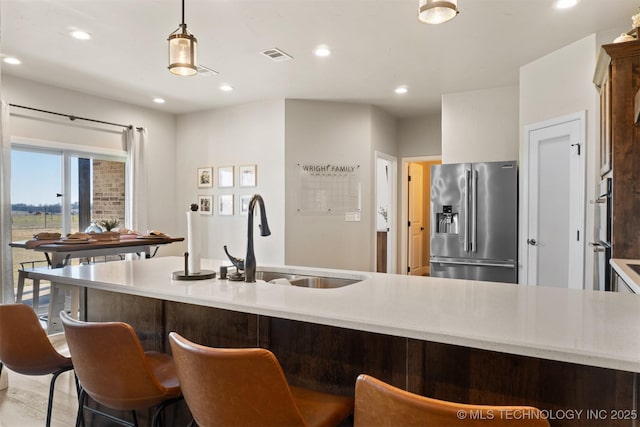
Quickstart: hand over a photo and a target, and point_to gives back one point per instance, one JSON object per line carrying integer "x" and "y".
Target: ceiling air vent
{"x": 206, "y": 71}
{"x": 276, "y": 55}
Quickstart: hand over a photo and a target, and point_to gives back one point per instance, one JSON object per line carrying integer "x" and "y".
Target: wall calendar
{"x": 328, "y": 189}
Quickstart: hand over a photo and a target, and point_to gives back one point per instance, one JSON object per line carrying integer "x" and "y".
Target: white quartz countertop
{"x": 630, "y": 277}
{"x": 584, "y": 327}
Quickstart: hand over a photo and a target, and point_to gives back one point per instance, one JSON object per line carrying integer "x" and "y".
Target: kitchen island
{"x": 562, "y": 350}
{"x": 626, "y": 271}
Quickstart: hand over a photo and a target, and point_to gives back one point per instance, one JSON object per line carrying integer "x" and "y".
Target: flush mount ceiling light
{"x": 12, "y": 60}
{"x": 437, "y": 11}
{"x": 401, "y": 90}
{"x": 226, "y": 88}
{"x": 564, "y": 4}
{"x": 182, "y": 50}
{"x": 80, "y": 35}
{"x": 322, "y": 51}
{"x": 159, "y": 100}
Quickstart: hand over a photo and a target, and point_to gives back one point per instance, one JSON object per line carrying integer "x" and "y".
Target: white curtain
{"x": 135, "y": 143}
{"x": 6, "y": 258}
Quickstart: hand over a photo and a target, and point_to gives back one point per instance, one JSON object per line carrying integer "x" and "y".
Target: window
{"x": 67, "y": 190}
{"x": 63, "y": 189}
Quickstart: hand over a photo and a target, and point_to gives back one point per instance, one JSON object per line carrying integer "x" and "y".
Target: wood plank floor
{"x": 24, "y": 402}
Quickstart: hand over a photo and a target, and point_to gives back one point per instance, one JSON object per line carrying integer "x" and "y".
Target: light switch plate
{"x": 352, "y": 216}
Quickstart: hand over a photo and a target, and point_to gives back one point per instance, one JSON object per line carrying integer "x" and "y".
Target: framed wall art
{"x": 247, "y": 174}
{"x": 205, "y": 177}
{"x": 225, "y": 177}
{"x": 244, "y": 203}
{"x": 225, "y": 204}
{"x": 205, "y": 204}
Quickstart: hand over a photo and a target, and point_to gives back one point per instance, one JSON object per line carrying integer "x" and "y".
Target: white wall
{"x": 420, "y": 136}
{"x": 608, "y": 36}
{"x": 240, "y": 135}
{"x": 339, "y": 133}
{"x": 383, "y": 132}
{"x": 558, "y": 84}
{"x": 480, "y": 126}
{"x": 160, "y": 126}
{"x": 281, "y": 135}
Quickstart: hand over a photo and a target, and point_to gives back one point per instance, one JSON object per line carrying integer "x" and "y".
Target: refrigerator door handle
{"x": 474, "y": 213}
{"x": 467, "y": 185}
{"x": 475, "y": 264}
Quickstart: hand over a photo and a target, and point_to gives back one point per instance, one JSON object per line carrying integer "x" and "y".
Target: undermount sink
{"x": 322, "y": 282}
{"x": 268, "y": 276}
{"x": 304, "y": 280}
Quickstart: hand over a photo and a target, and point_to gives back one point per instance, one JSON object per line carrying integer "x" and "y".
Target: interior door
{"x": 426, "y": 241}
{"x": 416, "y": 224}
{"x": 555, "y": 238}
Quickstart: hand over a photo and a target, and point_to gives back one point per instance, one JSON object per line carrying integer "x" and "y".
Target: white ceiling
{"x": 377, "y": 45}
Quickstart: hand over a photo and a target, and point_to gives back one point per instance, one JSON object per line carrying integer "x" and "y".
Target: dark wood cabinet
{"x": 329, "y": 359}
{"x": 617, "y": 77}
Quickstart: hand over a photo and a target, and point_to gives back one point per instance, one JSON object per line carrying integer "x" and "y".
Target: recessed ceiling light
{"x": 80, "y": 35}
{"x": 565, "y": 4}
{"x": 401, "y": 90}
{"x": 226, "y": 88}
{"x": 11, "y": 60}
{"x": 158, "y": 100}
{"x": 322, "y": 51}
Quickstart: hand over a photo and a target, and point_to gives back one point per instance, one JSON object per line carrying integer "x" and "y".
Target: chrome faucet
{"x": 249, "y": 262}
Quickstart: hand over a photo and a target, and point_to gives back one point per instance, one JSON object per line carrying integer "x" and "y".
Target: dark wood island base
{"x": 329, "y": 359}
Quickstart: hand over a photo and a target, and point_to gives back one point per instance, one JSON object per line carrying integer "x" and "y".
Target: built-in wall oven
{"x": 602, "y": 244}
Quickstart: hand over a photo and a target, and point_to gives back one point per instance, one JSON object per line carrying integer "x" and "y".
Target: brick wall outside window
{"x": 108, "y": 190}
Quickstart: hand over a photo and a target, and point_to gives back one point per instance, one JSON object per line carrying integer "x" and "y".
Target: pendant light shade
{"x": 182, "y": 50}
{"x": 437, "y": 11}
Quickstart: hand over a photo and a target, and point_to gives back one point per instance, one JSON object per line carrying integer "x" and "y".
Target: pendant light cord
{"x": 183, "y": 13}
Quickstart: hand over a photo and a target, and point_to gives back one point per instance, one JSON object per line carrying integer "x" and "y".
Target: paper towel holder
{"x": 185, "y": 275}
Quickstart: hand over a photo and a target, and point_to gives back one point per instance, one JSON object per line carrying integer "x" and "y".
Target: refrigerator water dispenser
{"x": 447, "y": 221}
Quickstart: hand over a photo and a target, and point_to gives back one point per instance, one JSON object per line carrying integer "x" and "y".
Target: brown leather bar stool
{"x": 383, "y": 405}
{"x": 26, "y": 349}
{"x": 116, "y": 372}
{"x": 247, "y": 387}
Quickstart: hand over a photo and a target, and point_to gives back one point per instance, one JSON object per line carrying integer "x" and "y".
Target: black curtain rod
{"x": 72, "y": 118}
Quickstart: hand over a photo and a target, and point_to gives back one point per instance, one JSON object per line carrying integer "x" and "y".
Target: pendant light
{"x": 182, "y": 50}
{"x": 437, "y": 11}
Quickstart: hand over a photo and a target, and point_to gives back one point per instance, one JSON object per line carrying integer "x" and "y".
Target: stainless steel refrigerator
{"x": 474, "y": 221}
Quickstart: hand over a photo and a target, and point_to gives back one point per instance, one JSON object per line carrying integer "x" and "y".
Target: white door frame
{"x": 392, "y": 239}
{"x": 404, "y": 207}
{"x": 578, "y": 215}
